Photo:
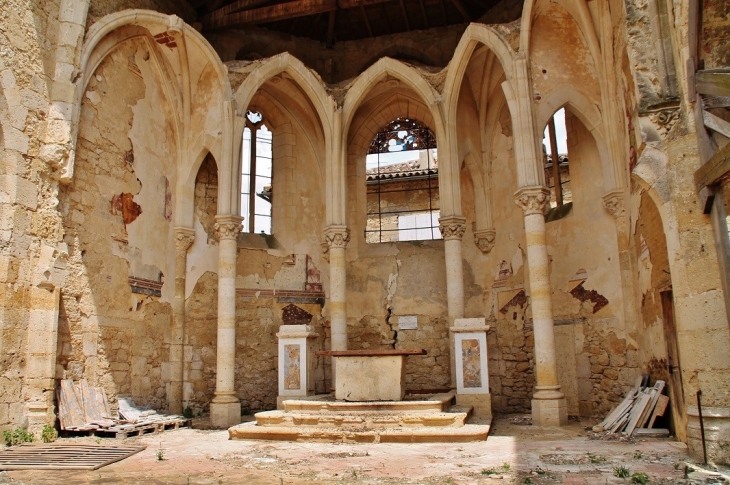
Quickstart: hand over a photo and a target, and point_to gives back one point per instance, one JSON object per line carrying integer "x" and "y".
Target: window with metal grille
{"x": 401, "y": 178}
{"x": 256, "y": 175}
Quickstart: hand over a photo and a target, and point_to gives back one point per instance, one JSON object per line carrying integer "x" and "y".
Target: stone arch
{"x": 403, "y": 73}
{"x": 474, "y": 35}
{"x": 310, "y": 84}
{"x": 587, "y": 112}
{"x": 153, "y": 21}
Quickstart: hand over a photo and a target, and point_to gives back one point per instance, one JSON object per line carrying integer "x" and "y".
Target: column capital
{"x": 336, "y": 237}
{"x": 614, "y": 203}
{"x": 184, "y": 238}
{"x": 484, "y": 239}
{"x": 452, "y": 227}
{"x": 228, "y": 227}
{"x": 533, "y": 200}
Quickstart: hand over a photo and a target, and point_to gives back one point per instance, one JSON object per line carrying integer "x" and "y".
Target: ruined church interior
{"x": 222, "y": 208}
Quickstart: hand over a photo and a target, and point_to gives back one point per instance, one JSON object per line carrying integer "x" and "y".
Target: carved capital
{"x": 184, "y": 238}
{"x": 228, "y": 227}
{"x": 533, "y": 200}
{"x": 452, "y": 227}
{"x": 614, "y": 203}
{"x": 336, "y": 237}
{"x": 484, "y": 239}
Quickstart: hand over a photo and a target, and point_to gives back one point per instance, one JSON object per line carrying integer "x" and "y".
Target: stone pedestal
{"x": 472, "y": 375}
{"x": 716, "y": 422}
{"x": 296, "y": 362}
{"x": 374, "y": 378}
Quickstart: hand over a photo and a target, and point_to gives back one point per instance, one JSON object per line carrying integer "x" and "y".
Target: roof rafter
{"x": 272, "y": 13}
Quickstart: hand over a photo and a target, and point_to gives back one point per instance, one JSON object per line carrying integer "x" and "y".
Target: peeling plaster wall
{"x": 29, "y": 222}
{"x": 119, "y": 339}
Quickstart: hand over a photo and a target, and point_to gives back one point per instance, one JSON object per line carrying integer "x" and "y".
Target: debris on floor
{"x": 637, "y": 413}
{"x": 60, "y": 456}
{"x": 85, "y": 409}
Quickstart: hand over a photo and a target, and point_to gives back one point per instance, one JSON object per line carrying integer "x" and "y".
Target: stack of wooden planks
{"x": 83, "y": 408}
{"x": 637, "y": 412}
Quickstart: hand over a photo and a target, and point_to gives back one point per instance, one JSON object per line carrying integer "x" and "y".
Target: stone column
{"x": 225, "y": 409}
{"x": 452, "y": 230}
{"x": 549, "y": 407}
{"x": 183, "y": 240}
{"x": 336, "y": 239}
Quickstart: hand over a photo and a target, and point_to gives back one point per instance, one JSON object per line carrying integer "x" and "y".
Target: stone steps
{"x": 432, "y": 419}
{"x": 448, "y": 434}
{"x": 435, "y": 404}
{"x": 363, "y": 419}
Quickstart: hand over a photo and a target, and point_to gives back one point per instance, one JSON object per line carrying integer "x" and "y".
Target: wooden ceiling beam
{"x": 359, "y": 3}
{"x": 232, "y": 8}
{"x": 331, "y": 29}
{"x": 272, "y": 13}
{"x": 423, "y": 12}
{"x": 462, "y": 10}
{"x": 715, "y": 83}
{"x": 405, "y": 15}
{"x": 367, "y": 20}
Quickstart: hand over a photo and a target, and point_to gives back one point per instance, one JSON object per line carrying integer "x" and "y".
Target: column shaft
{"x": 452, "y": 230}
{"x": 225, "y": 409}
{"x": 549, "y": 407}
{"x": 183, "y": 239}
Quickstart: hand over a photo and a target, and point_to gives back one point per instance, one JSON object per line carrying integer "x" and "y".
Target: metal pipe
{"x": 702, "y": 425}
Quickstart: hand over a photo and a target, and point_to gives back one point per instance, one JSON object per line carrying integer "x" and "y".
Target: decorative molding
{"x": 665, "y": 119}
{"x": 484, "y": 239}
{"x": 184, "y": 238}
{"x": 336, "y": 237}
{"x": 452, "y": 227}
{"x": 614, "y": 203}
{"x": 228, "y": 227}
{"x": 533, "y": 200}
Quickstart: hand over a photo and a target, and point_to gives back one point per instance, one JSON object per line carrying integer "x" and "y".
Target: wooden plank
{"x": 710, "y": 102}
{"x": 233, "y": 8}
{"x": 357, "y": 3}
{"x": 272, "y": 13}
{"x": 615, "y": 414}
{"x": 716, "y": 123}
{"x": 659, "y": 410}
{"x": 74, "y": 409}
{"x": 636, "y": 411}
{"x": 370, "y": 353}
{"x": 714, "y": 170}
{"x": 713, "y": 82}
{"x": 651, "y": 433}
{"x": 655, "y": 393}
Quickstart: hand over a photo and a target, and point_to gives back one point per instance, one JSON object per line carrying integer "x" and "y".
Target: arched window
{"x": 402, "y": 184}
{"x": 555, "y": 147}
{"x": 256, "y": 175}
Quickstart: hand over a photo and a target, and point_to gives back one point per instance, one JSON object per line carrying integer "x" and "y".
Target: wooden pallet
{"x": 59, "y": 456}
{"x": 122, "y": 431}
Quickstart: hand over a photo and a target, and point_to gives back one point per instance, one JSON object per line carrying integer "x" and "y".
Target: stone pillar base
{"x": 717, "y": 434}
{"x": 549, "y": 412}
{"x": 480, "y": 403}
{"x": 225, "y": 414}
